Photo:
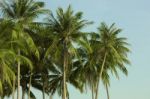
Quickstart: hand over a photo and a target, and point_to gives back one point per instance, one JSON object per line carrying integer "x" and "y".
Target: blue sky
{"x": 133, "y": 16}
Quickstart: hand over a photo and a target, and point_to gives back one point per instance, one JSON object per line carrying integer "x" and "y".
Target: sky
{"x": 133, "y": 16}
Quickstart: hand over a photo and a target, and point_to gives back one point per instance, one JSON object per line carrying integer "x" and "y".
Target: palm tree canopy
{"x": 22, "y": 10}
{"x": 115, "y": 46}
{"x": 66, "y": 30}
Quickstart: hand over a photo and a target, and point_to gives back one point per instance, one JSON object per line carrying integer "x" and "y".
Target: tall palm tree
{"x": 56, "y": 79}
{"x": 66, "y": 28}
{"x": 42, "y": 65}
{"x": 91, "y": 65}
{"x": 89, "y": 54}
{"x": 106, "y": 81}
{"x": 6, "y": 62}
{"x": 8, "y": 58}
{"x": 26, "y": 82}
{"x": 22, "y": 13}
{"x": 7, "y": 74}
{"x": 113, "y": 51}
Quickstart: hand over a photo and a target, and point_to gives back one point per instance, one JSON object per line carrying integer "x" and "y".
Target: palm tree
{"x": 113, "y": 51}
{"x": 26, "y": 82}
{"x": 106, "y": 81}
{"x": 39, "y": 76}
{"x": 7, "y": 74}
{"x": 107, "y": 91}
{"x": 56, "y": 78}
{"x": 22, "y": 13}
{"x": 87, "y": 65}
{"x": 66, "y": 28}
{"x": 8, "y": 57}
{"x": 43, "y": 64}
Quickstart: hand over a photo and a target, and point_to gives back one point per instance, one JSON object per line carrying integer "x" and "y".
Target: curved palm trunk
{"x": 29, "y": 86}
{"x": 2, "y": 97}
{"x": 43, "y": 91}
{"x": 43, "y": 94}
{"x": 107, "y": 91}
{"x": 18, "y": 86}
{"x": 92, "y": 91}
{"x": 13, "y": 93}
{"x": 100, "y": 75}
{"x": 64, "y": 71}
{"x": 51, "y": 96}
{"x": 23, "y": 93}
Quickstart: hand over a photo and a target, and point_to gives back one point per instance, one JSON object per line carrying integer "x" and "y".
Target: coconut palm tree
{"x": 8, "y": 59}
{"x": 42, "y": 65}
{"x": 56, "y": 78}
{"x": 22, "y": 13}
{"x": 106, "y": 81}
{"x": 113, "y": 51}
{"x": 5, "y": 29}
{"x": 7, "y": 75}
{"x": 89, "y": 55}
{"x": 66, "y": 28}
{"x": 51, "y": 73}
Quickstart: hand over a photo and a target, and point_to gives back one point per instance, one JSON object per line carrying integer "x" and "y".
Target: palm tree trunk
{"x": 107, "y": 91}
{"x": 64, "y": 71}
{"x": 18, "y": 91}
{"x": 2, "y": 97}
{"x": 51, "y": 96}
{"x": 13, "y": 93}
{"x": 100, "y": 75}
{"x": 23, "y": 93}
{"x": 92, "y": 91}
{"x": 43, "y": 91}
{"x": 64, "y": 81}
{"x": 29, "y": 86}
{"x": 43, "y": 94}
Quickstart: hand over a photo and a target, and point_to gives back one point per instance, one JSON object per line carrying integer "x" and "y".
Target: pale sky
{"x": 133, "y": 16}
